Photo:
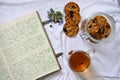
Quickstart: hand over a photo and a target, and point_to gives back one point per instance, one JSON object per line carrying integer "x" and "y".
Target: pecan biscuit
{"x": 98, "y": 27}
{"x": 100, "y": 19}
{"x": 70, "y": 29}
{"x": 73, "y": 17}
{"x": 106, "y": 31}
{"x": 71, "y": 6}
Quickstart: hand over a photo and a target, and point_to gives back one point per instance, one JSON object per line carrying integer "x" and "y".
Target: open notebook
{"x": 25, "y": 50}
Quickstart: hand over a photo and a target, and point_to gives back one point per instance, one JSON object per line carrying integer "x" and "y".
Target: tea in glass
{"x": 79, "y": 61}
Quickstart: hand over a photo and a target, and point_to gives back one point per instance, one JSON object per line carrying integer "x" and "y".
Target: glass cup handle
{"x": 91, "y": 51}
{"x": 84, "y": 36}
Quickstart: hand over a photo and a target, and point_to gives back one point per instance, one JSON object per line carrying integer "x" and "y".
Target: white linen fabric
{"x": 105, "y": 61}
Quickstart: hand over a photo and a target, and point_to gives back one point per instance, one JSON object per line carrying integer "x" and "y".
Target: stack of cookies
{"x": 72, "y": 18}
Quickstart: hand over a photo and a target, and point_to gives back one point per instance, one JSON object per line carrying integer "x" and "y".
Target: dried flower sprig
{"x": 55, "y": 16}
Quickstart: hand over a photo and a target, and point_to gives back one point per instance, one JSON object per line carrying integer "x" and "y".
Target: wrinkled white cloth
{"x": 104, "y": 62}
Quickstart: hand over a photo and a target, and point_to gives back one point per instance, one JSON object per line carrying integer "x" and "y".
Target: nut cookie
{"x": 71, "y": 6}
{"x": 73, "y": 17}
{"x": 98, "y": 27}
{"x": 70, "y": 29}
{"x": 107, "y": 31}
{"x": 100, "y": 20}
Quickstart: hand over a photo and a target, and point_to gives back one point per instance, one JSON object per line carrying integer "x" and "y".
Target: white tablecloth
{"x": 104, "y": 62}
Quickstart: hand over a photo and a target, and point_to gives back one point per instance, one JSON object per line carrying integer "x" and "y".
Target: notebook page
{"x": 4, "y": 73}
{"x": 26, "y": 48}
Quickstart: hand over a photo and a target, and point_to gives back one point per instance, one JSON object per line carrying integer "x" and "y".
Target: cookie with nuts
{"x": 71, "y": 6}
{"x": 70, "y": 29}
{"x": 73, "y": 17}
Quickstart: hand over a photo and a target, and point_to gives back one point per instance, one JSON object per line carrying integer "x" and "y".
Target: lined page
{"x": 4, "y": 74}
{"x": 26, "y": 48}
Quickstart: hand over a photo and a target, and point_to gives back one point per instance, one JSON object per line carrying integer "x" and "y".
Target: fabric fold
{"x": 104, "y": 62}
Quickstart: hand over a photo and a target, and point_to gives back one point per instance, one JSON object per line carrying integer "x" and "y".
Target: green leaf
{"x": 58, "y": 14}
{"x": 52, "y": 11}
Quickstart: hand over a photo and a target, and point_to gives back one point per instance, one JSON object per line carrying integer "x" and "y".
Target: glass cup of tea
{"x": 79, "y": 60}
